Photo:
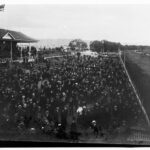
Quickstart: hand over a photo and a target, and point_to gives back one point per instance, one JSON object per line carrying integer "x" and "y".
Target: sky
{"x": 125, "y": 23}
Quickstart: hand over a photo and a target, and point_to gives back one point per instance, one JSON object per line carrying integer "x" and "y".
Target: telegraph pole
{"x": 124, "y": 57}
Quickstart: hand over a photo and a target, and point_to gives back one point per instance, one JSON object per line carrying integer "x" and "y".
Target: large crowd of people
{"x": 67, "y": 95}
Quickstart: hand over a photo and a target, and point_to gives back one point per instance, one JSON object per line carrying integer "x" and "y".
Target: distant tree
{"x": 135, "y": 47}
{"x": 111, "y": 46}
{"x": 78, "y": 44}
{"x": 96, "y": 46}
{"x": 105, "y": 46}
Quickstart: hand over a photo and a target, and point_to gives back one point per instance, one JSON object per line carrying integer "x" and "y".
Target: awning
{"x": 9, "y": 35}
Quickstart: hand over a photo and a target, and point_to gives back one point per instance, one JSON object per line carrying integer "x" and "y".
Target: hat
{"x": 25, "y": 105}
{"x": 84, "y": 107}
{"x": 19, "y": 106}
{"x": 93, "y": 121}
{"x": 64, "y": 93}
{"x": 23, "y": 96}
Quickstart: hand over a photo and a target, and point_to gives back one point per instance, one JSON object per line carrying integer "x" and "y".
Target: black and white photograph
{"x": 74, "y": 73}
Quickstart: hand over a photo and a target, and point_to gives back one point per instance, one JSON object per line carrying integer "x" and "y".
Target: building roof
{"x": 19, "y": 37}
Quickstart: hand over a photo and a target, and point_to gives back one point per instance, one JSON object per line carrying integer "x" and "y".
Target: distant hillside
{"x": 53, "y": 43}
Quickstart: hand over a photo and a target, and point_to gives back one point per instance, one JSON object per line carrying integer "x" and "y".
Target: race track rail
{"x": 138, "y": 98}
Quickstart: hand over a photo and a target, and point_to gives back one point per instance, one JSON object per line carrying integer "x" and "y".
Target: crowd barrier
{"x": 5, "y": 60}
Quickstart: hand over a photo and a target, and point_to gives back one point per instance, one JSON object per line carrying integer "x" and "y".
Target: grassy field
{"x": 146, "y": 51}
{"x": 138, "y": 67}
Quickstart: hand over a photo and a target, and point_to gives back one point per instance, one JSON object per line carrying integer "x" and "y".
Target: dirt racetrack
{"x": 138, "y": 67}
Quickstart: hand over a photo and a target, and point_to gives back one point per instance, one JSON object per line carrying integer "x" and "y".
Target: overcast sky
{"x": 121, "y": 23}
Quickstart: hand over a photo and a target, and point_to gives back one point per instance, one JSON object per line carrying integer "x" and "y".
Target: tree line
{"x": 103, "y": 46}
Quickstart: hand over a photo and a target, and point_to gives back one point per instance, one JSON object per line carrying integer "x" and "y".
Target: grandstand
{"x": 8, "y": 44}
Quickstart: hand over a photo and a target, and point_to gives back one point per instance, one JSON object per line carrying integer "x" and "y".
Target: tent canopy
{"x": 9, "y": 35}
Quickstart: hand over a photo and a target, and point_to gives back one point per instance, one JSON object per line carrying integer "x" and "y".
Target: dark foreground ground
{"x": 130, "y": 138}
{"x": 138, "y": 67}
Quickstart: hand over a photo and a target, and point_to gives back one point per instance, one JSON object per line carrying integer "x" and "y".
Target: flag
{"x": 2, "y": 7}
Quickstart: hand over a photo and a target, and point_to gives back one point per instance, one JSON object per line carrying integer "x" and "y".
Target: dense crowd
{"x": 67, "y": 95}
